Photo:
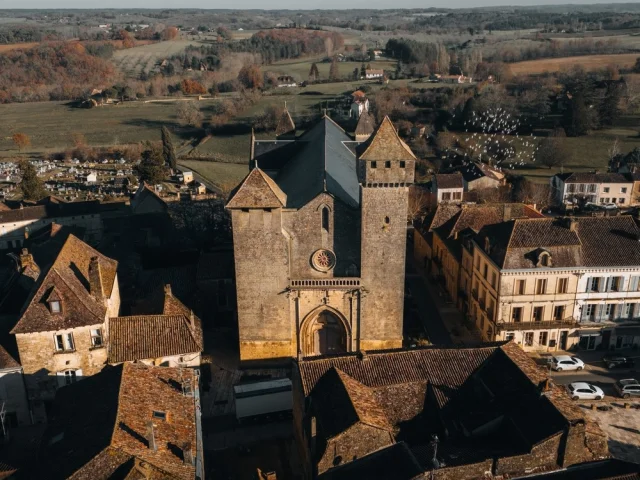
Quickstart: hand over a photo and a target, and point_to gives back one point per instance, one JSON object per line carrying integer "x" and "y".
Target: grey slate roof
{"x": 580, "y": 177}
{"x": 322, "y": 164}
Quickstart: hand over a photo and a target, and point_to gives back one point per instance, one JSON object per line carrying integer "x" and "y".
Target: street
{"x": 429, "y": 314}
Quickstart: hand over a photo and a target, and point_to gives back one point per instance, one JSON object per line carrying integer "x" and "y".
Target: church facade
{"x": 319, "y": 232}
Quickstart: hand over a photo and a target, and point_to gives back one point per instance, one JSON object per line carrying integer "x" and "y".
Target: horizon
{"x": 292, "y": 4}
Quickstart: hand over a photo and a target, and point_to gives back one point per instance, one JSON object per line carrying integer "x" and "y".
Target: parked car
{"x": 628, "y": 387}
{"x": 618, "y": 361}
{"x": 610, "y": 206}
{"x": 565, "y": 362}
{"x": 585, "y": 391}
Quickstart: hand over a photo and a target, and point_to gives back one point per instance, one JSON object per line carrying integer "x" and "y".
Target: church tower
{"x": 386, "y": 169}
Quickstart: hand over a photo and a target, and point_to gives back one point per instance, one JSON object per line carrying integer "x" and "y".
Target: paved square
{"x": 622, "y": 426}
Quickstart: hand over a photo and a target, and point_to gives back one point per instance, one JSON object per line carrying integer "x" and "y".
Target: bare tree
{"x": 419, "y": 200}
{"x": 189, "y": 113}
{"x": 614, "y": 150}
{"x": 552, "y": 152}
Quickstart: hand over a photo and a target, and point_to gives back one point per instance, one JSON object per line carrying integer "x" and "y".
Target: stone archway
{"x": 324, "y": 333}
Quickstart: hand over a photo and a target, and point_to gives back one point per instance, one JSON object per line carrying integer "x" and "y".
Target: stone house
{"x": 128, "y": 421}
{"x": 447, "y": 187}
{"x": 172, "y": 339}
{"x": 61, "y": 333}
{"x": 372, "y": 73}
{"x": 146, "y": 200}
{"x": 549, "y": 284}
{"x": 573, "y": 189}
{"x": 488, "y": 410}
{"x": 331, "y": 216}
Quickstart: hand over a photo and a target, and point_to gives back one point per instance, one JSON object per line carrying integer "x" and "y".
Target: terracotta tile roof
{"x": 100, "y": 424}
{"x": 69, "y": 276}
{"x": 6, "y": 360}
{"x": 344, "y": 402}
{"x": 365, "y": 124}
{"x": 385, "y": 144}
{"x": 143, "y": 337}
{"x": 449, "y": 180}
{"x": 285, "y": 124}
{"x": 444, "y": 213}
{"x": 257, "y": 190}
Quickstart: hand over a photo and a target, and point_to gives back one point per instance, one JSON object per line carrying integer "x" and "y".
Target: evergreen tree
{"x": 610, "y": 106}
{"x": 334, "y": 72}
{"x": 151, "y": 168}
{"x": 31, "y": 185}
{"x": 363, "y": 71}
{"x": 313, "y": 72}
{"x": 168, "y": 151}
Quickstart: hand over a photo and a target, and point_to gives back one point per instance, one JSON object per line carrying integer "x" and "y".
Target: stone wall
{"x": 384, "y": 237}
{"x": 262, "y": 274}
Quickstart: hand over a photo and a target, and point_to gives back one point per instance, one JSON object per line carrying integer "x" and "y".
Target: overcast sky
{"x": 278, "y": 4}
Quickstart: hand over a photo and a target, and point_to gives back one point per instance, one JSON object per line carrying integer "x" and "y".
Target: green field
{"x": 52, "y": 124}
{"x": 133, "y": 61}
{"x": 300, "y": 69}
{"x": 224, "y": 175}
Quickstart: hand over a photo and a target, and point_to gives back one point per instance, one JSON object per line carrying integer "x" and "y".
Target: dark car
{"x": 618, "y": 361}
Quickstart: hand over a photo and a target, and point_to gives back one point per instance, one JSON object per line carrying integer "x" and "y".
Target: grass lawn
{"x": 225, "y": 175}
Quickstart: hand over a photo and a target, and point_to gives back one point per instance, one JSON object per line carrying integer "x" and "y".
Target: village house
{"x": 172, "y": 339}
{"x": 447, "y": 187}
{"x": 147, "y": 201}
{"x": 454, "y": 79}
{"x": 359, "y": 104}
{"x": 558, "y": 283}
{"x": 575, "y": 189}
{"x": 480, "y": 176}
{"x": 452, "y": 226}
{"x": 449, "y": 413}
{"x": 284, "y": 81}
{"x": 13, "y": 395}
{"x": 16, "y": 224}
{"x": 128, "y": 421}
{"x": 61, "y": 333}
{"x": 372, "y": 73}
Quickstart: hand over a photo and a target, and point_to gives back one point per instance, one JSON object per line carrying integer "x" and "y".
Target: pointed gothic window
{"x": 325, "y": 218}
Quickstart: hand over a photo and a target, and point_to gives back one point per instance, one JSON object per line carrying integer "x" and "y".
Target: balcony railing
{"x": 346, "y": 283}
{"x": 543, "y": 325}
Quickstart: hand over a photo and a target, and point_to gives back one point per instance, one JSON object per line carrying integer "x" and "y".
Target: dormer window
{"x": 544, "y": 259}
{"x": 54, "y": 306}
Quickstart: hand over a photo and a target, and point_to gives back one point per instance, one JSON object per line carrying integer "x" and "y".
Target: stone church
{"x": 319, "y": 233}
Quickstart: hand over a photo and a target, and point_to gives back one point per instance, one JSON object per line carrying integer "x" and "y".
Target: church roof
{"x": 285, "y": 124}
{"x": 365, "y": 124}
{"x": 385, "y": 144}
{"x": 323, "y": 163}
{"x": 257, "y": 190}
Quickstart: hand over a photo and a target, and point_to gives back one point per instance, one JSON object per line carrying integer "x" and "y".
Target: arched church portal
{"x": 324, "y": 333}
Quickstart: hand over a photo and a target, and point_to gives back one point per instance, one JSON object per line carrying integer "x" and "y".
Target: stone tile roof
{"x": 285, "y": 124}
{"x": 575, "y": 177}
{"x": 449, "y": 180}
{"x": 99, "y": 426}
{"x": 444, "y": 213}
{"x": 366, "y": 125}
{"x": 345, "y": 401}
{"x": 143, "y": 337}
{"x": 6, "y": 360}
{"x": 385, "y": 144}
{"x": 393, "y": 462}
{"x": 143, "y": 193}
{"x": 257, "y": 190}
{"x": 69, "y": 276}
{"x": 517, "y": 244}
{"x": 55, "y": 208}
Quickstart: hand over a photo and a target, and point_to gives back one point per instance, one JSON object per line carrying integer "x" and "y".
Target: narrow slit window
{"x": 387, "y": 164}
{"x": 387, "y": 220}
{"x": 325, "y": 219}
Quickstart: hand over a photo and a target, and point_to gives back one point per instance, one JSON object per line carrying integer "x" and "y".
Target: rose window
{"x": 323, "y": 260}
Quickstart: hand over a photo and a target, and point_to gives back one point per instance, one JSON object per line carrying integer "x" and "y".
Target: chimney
{"x": 95, "y": 279}
{"x": 545, "y": 385}
{"x": 506, "y": 212}
{"x": 187, "y": 454}
{"x": 26, "y": 259}
{"x": 151, "y": 436}
{"x": 192, "y": 320}
{"x": 572, "y": 224}
{"x": 362, "y": 354}
{"x": 167, "y": 290}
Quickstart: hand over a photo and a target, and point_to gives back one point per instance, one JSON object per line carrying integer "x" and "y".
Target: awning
{"x": 632, "y": 331}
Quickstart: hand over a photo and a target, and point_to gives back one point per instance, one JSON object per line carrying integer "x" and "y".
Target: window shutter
{"x": 589, "y": 283}
{"x": 634, "y": 284}
{"x": 604, "y": 285}
{"x": 599, "y": 311}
